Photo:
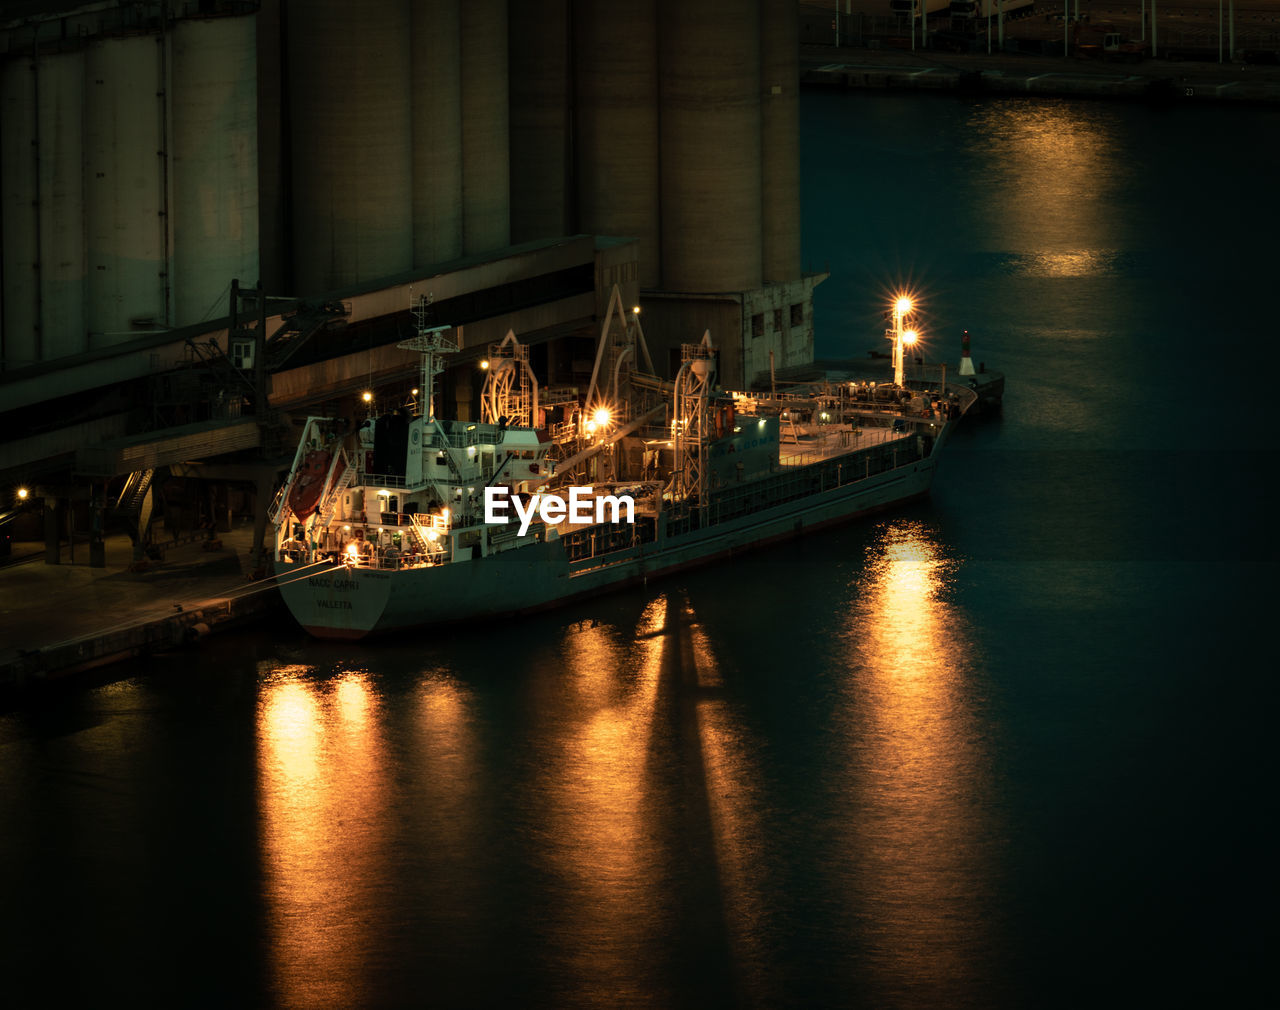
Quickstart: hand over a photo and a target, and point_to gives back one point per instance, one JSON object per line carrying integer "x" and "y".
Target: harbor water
{"x": 1004, "y": 747}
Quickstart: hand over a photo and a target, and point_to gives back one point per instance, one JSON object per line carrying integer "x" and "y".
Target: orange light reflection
{"x": 323, "y": 800}
{"x": 601, "y": 845}
{"x": 915, "y": 861}
{"x": 1050, "y": 169}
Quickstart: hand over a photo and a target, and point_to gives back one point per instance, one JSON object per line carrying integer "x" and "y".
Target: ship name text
{"x": 328, "y": 582}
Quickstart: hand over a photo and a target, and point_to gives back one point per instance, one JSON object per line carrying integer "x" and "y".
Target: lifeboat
{"x": 304, "y": 496}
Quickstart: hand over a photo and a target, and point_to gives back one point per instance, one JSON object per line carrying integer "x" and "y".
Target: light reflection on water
{"x": 597, "y": 787}
{"x": 325, "y": 823}
{"x": 913, "y": 869}
{"x": 636, "y": 771}
{"x": 1051, "y": 169}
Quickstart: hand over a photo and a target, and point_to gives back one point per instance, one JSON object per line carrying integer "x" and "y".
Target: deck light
{"x": 601, "y": 417}
{"x": 903, "y": 305}
{"x": 910, "y": 337}
{"x": 484, "y": 364}
{"x": 367, "y": 397}
{"x": 23, "y": 493}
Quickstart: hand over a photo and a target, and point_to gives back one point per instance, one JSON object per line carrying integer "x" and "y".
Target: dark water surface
{"x": 1006, "y": 747}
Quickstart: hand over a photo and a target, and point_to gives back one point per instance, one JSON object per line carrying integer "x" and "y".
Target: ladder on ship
{"x": 335, "y": 488}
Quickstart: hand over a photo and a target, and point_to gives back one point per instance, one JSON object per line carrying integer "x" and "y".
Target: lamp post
{"x": 901, "y": 337}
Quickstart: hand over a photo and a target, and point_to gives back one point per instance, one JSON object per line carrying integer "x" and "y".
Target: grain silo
{"x": 486, "y": 170}
{"x": 437, "y": 132}
{"x": 62, "y": 237}
{"x": 615, "y": 56}
{"x": 215, "y": 162}
{"x": 709, "y": 89}
{"x": 540, "y": 72}
{"x": 126, "y": 220}
{"x": 349, "y": 88}
{"x": 780, "y": 146}
{"x": 19, "y": 210}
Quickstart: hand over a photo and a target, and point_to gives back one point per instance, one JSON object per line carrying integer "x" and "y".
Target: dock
{"x": 1010, "y": 74}
{"x": 58, "y": 621}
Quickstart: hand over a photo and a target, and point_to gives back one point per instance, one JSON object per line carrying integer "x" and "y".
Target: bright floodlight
{"x": 414, "y": 391}
{"x": 636, "y": 310}
{"x": 367, "y": 397}
{"x": 484, "y": 364}
{"x": 910, "y": 337}
{"x": 22, "y": 494}
{"x": 903, "y": 304}
{"x": 601, "y": 417}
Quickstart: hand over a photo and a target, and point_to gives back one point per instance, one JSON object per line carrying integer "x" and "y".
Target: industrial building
{"x": 217, "y": 213}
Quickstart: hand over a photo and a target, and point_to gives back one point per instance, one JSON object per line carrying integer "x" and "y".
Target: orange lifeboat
{"x": 304, "y": 496}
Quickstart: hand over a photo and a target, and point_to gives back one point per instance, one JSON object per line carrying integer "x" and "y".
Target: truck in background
{"x": 912, "y": 8}
{"x": 970, "y": 9}
{"x": 1104, "y": 42}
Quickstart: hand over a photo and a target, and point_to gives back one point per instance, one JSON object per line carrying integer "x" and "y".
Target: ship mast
{"x": 432, "y": 344}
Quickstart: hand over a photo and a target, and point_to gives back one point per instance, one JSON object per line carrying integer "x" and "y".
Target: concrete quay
{"x": 60, "y": 620}
{"x": 1042, "y": 76}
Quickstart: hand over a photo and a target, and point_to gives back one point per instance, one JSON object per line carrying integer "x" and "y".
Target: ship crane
{"x": 690, "y": 435}
{"x": 621, "y": 351}
{"x": 510, "y": 387}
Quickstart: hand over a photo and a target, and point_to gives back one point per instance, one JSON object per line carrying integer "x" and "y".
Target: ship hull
{"x": 339, "y": 602}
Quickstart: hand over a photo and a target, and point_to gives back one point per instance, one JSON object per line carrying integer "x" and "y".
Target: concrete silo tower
{"x": 709, "y": 96}
{"x": 350, "y": 147}
{"x": 730, "y": 207}
{"x": 539, "y": 34}
{"x": 486, "y": 170}
{"x": 215, "y": 162}
{"x": 616, "y": 126}
{"x": 437, "y": 132}
{"x": 42, "y": 194}
{"x": 780, "y": 141}
{"x": 126, "y": 190}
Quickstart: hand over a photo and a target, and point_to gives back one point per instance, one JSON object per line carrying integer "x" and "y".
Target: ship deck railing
{"x": 606, "y": 540}
{"x": 474, "y": 434}
{"x": 838, "y": 442}
{"x": 380, "y": 560}
{"x": 387, "y": 480}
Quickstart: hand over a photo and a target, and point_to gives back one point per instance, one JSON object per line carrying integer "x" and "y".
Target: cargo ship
{"x": 411, "y": 519}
